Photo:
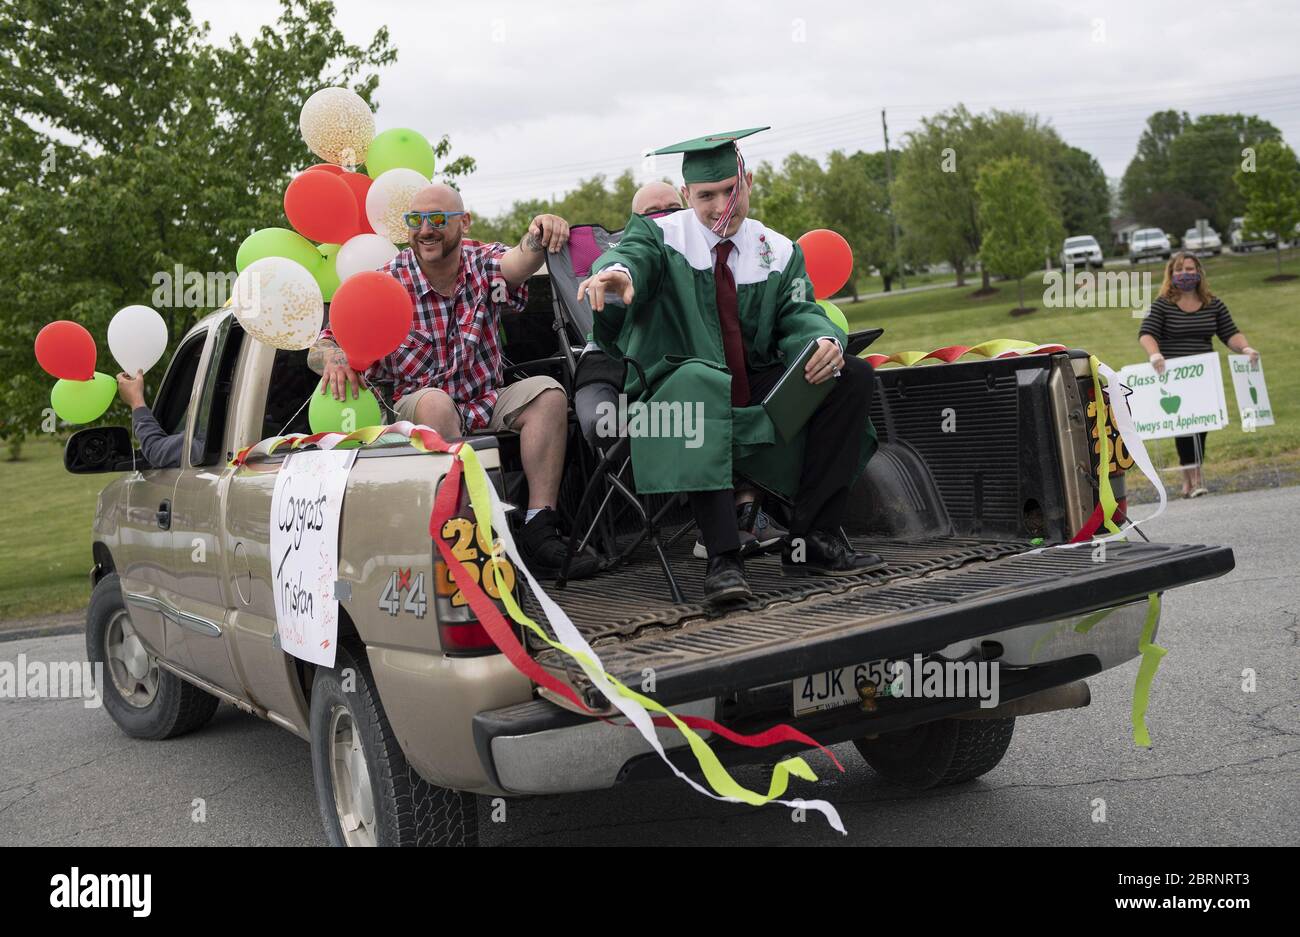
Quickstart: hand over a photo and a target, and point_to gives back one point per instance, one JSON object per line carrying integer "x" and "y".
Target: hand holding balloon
{"x": 131, "y": 389}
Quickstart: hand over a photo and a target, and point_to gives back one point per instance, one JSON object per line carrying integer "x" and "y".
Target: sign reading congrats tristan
{"x": 305, "y": 551}
{"x": 1252, "y": 395}
{"x": 1187, "y": 398}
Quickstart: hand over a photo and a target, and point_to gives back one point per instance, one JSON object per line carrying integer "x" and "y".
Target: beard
{"x": 444, "y": 247}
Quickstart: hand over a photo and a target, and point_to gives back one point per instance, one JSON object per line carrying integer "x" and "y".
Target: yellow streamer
{"x": 1151, "y": 656}
{"x": 717, "y": 776}
{"x": 1107, "y": 494}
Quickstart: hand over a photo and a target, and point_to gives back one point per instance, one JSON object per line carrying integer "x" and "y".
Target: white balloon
{"x": 389, "y": 198}
{"x": 279, "y": 303}
{"x": 337, "y": 125}
{"x": 363, "y": 252}
{"x": 137, "y": 337}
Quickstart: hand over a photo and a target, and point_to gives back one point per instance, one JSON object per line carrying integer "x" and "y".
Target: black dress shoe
{"x": 724, "y": 579}
{"x": 544, "y": 549}
{"x": 824, "y": 554}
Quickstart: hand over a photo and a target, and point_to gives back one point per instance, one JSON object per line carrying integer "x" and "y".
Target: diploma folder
{"x": 792, "y": 402}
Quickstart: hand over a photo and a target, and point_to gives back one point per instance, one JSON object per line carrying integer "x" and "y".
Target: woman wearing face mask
{"x": 1182, "y": 321}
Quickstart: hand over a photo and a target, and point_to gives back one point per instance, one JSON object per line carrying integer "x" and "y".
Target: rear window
{"x": 291, "y": 384}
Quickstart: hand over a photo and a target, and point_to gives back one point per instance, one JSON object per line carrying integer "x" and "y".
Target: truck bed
{"x": 932, "y": 594}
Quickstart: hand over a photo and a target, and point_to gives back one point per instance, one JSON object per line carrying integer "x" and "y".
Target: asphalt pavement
{"x": 1224, "y": 767}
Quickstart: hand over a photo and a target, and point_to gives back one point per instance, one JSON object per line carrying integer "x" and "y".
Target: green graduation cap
{"x": 711, "y": 158}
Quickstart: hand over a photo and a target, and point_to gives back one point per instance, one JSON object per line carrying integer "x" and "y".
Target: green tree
{"x": 132, "y": 144}
{"x": 1017, "y": 217}
{"x": 1183, "y": 168}
{"x": 936, "y": 195}
{"x": 789, "y": 200}
{"x": 855, "y": 203}
{"x": 1271, "y": 192}
{"x": 1084, "y": 193}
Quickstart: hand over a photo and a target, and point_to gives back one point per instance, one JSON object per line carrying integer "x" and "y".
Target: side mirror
{"x": 101, "y": 449}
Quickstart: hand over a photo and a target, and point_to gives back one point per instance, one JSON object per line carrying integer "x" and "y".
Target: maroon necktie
{"x": 729, "y": 318}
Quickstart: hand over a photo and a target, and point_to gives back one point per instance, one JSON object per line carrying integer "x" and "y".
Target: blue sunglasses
{"x": 436, "y": 219}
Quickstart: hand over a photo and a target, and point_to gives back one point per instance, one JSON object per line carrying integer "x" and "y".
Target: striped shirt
{"x": 1182, "y": 333}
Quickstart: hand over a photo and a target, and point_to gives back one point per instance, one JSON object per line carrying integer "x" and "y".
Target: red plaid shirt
{"x": 455, "y": 342}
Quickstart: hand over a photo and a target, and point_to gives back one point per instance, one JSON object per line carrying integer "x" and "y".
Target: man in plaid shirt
{"x": 447, "y": 374}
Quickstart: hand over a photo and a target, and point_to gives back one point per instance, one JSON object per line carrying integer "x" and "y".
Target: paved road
{"x": 1224, "y": 769}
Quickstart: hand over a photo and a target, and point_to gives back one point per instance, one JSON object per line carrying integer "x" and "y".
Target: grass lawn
{"x": 1266, "y": 312}
{"x": 46, "y": 555}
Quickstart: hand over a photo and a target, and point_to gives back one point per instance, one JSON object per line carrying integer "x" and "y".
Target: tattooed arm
{"x": 545, "y": 233}
{"x": 328, "y": 360}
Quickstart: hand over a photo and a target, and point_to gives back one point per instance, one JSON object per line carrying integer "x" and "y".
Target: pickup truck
{"x": 421, "y": 715}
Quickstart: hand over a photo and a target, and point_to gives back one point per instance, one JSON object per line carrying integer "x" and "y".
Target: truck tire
{"x": 367, "y": 792}
{"x": 949, "y": 751}
{"x": 144, "y": 700}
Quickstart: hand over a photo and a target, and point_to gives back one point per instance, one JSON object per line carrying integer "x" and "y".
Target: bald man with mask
{"x": 448, "y": 373}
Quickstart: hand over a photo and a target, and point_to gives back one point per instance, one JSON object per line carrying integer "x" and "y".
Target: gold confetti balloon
{"x": 389, "y": 198}
{"x": 337, "y": 126}
{"x": 279, "y": 303}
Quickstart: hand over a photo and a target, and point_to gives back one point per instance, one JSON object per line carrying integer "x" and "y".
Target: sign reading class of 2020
{"x": 1187, "y": 398}
{"x": 305, "y": 508}
{"x": 1252, "y": 394}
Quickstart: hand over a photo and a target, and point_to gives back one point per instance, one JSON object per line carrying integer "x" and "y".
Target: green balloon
{"x": 327, "y": 415}
{"x": 83, "y": 401}
{"x": 834, "y": 314}
{"x": 399, "y": 149}
{"x": 326, "y": 276}
{"x": 277, "y": 242}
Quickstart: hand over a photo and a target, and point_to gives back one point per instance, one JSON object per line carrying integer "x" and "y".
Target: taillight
{"x": 459, "y": 629}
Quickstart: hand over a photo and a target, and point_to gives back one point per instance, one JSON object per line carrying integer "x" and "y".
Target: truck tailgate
{"x": 891, "y": 618}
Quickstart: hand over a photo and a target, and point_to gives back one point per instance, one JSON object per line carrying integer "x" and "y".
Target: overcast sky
{"x": 542, "y": 95}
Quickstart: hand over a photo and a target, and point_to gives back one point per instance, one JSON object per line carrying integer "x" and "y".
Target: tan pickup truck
{"x": 421, "y": 713}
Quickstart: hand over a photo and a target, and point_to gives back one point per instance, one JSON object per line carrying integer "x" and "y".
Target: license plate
{"x": 833, "y": 688}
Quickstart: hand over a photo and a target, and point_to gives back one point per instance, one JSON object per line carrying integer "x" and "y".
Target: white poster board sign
{"x": 305, "y": 551}
{"x": 1187, "y": 398}
{"x": 1252, "y": 394}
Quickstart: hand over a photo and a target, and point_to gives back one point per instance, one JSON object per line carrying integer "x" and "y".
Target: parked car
{"x": 421, "y": 712}
{"x": 1247, "y": 239}
{"x": 1082, "y": 251}
{"x": 1148, "y": 242}
{"x": 1202, "y": 241}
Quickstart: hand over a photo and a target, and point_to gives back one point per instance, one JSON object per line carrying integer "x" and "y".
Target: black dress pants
{"x": 834, "y": 439}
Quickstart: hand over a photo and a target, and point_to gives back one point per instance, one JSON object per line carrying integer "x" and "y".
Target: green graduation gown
{"x": 672, "y": 329}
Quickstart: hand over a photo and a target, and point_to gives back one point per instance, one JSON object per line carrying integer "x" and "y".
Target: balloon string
{"x": 296, "y": 412}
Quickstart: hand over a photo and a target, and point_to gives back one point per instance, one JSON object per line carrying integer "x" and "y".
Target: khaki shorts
{"x": 511, "y": 401}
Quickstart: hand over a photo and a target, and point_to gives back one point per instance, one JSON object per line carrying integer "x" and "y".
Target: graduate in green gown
{"x": 713, "y": 306}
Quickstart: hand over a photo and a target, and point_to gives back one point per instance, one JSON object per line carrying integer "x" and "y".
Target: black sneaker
{"x": 767, "y": 535}
{"x": 758, "y": 533}
{"x": 544, "y": 549}
{"x": 724, "y": 579}
{"x": 825, "y": 554}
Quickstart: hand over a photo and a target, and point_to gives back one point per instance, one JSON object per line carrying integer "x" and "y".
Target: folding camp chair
{"x": 609, "y": 477}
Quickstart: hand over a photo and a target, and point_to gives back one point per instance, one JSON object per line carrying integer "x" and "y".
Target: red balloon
{"x": 829, "y": 260}
{"x": 359, "y": 183}
{"x": 66, "y": 350}
{"x": 320, "y": 206}
{"x": 326, "y": 167}
{"x": 370, "y": 316}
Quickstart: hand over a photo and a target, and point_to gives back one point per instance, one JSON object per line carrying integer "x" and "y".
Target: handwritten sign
{"x": 1252, "y": 394}
{"x": 1187, "y": 398}
{"x": 305, "y": 551}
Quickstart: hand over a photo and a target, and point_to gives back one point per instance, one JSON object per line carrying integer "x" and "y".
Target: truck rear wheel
{"x": 144, "y": 700}
{"x": 949, "y": 751}
{"x": 367, "y": 792}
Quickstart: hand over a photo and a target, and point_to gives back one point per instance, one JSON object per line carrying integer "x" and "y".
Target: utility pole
{"x": 889, "y": 199}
